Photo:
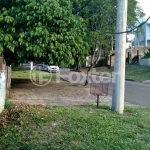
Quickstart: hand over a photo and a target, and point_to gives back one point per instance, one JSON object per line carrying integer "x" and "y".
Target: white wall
{"x": 144, "y": 62}
{"x": 139, "y": 38}
{"x": 2, "y": 90}
{"x": 148, "y": 32}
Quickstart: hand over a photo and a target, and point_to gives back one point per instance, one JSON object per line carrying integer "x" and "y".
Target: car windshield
{"x": 52, "y": 64}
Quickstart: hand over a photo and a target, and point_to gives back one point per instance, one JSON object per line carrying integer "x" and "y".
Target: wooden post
{"x": 137, "y": 56}
{"x": 110, "y": 60}
{"x": 97, "y": 100}
{"x": 1, "y": 60}
{"x": 128, "y": 57}
{"x": 8, "y": 80}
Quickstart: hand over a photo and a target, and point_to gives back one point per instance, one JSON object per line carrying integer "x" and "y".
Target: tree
{"x": 45, "y": 29}
{"x": 147, "y": 55}
{"x": 101, "y": 18}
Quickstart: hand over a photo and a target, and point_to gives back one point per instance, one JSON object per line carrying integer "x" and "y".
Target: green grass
{"x": 99, "y": 69}
{"x": 133, "y": 72}
{"x": 20, "y": 73}
{"x": 138, "y": 73}
{"x": 80, "y": 127}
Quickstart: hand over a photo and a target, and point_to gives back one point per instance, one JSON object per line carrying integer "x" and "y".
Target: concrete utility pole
{"x": 119, "y": 66}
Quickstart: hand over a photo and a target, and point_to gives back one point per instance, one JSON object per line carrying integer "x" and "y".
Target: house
{"x": 143, "y": 38}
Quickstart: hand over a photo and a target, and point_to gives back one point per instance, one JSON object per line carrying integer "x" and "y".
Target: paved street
{"x": 135, "y": 92}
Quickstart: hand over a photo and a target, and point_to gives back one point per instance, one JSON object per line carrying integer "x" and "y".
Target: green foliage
{"x": 52, "y": 30}
{"x": 8, "y": 104}
{"x": 81, "y": 127}
{"x": 135, "y": 13}
{"x": 101, "y": 20}
{"x": 147, "y": 55}
{"x": 137, "y": 73}
{"x": 45, "y": 29}
{"x": 6, "y": 31}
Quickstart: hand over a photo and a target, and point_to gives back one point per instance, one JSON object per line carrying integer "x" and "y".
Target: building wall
{"x": 148, "y": 32}
{"x": 148, "y": 43}
{"x": 139, "y": 38}
{"x": 144, "y": 62}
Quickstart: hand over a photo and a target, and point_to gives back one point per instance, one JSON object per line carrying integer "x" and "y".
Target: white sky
{"x": 145, "y": 4}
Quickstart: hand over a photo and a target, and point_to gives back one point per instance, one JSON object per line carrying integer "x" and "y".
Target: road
{"x": 135, "y": 92}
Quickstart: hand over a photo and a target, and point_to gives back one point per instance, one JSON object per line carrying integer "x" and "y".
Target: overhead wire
{"x": 127, "y": 31}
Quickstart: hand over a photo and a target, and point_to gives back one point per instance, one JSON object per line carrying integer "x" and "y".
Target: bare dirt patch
{"x": 63, "y": 93}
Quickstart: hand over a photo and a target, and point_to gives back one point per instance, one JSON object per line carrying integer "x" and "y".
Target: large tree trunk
{"x": 87, "y": 76}
{"x": 77, "y": 66}
{"x": 94, "y": 60}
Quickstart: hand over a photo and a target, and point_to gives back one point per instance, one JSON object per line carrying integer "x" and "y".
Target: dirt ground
{"x": 63, "y": 93}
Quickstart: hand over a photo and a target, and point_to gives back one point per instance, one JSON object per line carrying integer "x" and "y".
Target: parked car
{"x": 41, "y": 67}
{"x": 48, "y": 68}
{"x": 53, "y": 68}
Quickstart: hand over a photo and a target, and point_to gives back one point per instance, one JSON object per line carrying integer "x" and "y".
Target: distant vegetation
{"x": 147, "y": 55}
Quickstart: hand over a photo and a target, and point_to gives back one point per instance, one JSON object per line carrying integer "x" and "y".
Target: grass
{"x": 138, "y": 73}
{"x": 78, "y": 127}
{"x": 133, "y": 72}
{"x": 21, "y": 73}
{"x": 99, "y": 69}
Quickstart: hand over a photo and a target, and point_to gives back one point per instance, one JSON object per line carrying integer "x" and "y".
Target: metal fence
{"x": 99, "y": 90}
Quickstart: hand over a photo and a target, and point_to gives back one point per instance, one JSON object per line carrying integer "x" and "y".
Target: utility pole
{"x": 119, "y": 66}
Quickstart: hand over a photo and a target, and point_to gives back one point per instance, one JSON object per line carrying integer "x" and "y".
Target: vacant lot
{"x": 63, "y": 93}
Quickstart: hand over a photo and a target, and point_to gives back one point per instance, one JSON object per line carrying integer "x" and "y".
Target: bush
{"x": 147, "y": 55}
{"x": 135, "y": 59}
{"x": 8, "y": 104}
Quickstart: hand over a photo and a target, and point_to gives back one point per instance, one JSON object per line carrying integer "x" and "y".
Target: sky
{"x": 145, "y": 4}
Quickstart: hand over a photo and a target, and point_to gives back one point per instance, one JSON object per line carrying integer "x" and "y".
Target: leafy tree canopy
{"x": 45, "y": 29}
{"x": 59, "y": 31}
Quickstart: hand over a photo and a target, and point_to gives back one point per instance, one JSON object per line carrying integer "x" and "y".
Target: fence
{"x": 99, "y": 89}
{"x": 5, "y": 83}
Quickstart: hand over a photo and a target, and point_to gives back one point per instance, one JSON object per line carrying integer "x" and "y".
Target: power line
{"x": 128, "y": 31}
{"x": 131, "y": 29}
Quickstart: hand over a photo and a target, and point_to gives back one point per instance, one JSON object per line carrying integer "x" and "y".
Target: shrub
{"x": 147, "y": 55}
{"x": 135, "y": 59}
